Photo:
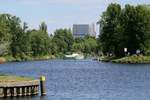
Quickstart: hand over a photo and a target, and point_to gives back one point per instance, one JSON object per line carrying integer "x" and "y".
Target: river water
{"x": 85, "y": 79}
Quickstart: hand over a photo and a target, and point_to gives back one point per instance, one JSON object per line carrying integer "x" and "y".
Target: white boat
{"x": 74, "y": 56}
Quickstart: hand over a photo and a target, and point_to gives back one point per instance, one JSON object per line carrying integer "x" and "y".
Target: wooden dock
{"x": 24, "y": 88}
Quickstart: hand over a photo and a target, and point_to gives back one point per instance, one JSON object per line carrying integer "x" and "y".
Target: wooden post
{"x": 42, "y": 85}
{"x": 32, "y": 90}
{"x": 1, "y": 92}
{"x": 24, "y": 91}
{"x": 7, "y": 92}
{"x": 28, "y": 91}
{"x": 19, "y": 91}
{"x": 37, "y": 89}
{"x": 13, "y": 92}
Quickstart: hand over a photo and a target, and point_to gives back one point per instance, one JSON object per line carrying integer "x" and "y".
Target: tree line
{"x": 20, "y": 42}
{"x": 127, "y": 27}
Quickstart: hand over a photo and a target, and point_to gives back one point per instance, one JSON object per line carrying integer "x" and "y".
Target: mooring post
{"x": 42, "y": 85}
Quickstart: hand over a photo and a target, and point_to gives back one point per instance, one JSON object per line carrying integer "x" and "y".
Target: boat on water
{"x": 75, "y": 56}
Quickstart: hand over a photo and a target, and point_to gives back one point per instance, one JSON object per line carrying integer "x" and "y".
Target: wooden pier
{"x": 25, "y": 88}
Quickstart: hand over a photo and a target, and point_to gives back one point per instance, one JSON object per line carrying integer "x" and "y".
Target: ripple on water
{"x": 85, "y": 79}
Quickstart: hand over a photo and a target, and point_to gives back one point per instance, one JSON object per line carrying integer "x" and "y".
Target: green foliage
{"x": 5, "y": 36}
{"x": 18, "y": 43}
{"x": 109, "y": 24}
{"x": 86, "y": 45}
{"x": 125, "y": 28}
{"x": 133, "y": 59}
{"x": 62, "y": 40}
{"x": 39, "y": 42}
{"x": 43, "y": 27}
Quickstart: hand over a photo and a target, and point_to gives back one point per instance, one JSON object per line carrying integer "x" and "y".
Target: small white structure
{"x": 74, "y": 56}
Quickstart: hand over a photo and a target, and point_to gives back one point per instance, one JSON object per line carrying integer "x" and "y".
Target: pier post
{"x": 7, "y": 92}
{"x": 1, "y": 92}
{"x": 19, "y": 91}
{"x": 24, "y": 91}
{"x": 29, "y": 91}
{"x": 42, "y": 85}
{"x": 32, "y": 90}
{"x": 13, "y": 92}
{"x": 36, "y": 89}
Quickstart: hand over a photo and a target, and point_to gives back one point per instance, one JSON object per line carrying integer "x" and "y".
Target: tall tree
{"x": 126, "y": 28}
{"x": 109, "y": 23}
{"x": 135, "y": 23}
{"x": 5, "y": 34}
{"x": 43, "y": 27}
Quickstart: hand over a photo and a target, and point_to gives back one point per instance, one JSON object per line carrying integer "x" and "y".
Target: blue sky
{"x": 60, "y": 13}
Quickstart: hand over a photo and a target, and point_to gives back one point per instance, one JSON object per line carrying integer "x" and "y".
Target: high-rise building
{"x": 81, "y": 30}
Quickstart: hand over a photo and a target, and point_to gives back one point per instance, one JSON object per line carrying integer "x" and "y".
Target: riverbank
{"x": 5, "y": 59}
{"x": 135, "y": 59}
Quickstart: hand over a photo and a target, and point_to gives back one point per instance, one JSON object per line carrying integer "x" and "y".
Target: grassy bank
{"x": 25, "y": 58}
{"x": 106, "y": 58}
{"x": 135, "y": 59}
{"x": 12, "y": 78}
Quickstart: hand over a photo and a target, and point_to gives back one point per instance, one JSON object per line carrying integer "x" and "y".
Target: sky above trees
{"x": 60, "y": 13}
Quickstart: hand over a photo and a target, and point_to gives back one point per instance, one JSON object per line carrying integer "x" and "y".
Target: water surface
{"x": 85, "y": 79}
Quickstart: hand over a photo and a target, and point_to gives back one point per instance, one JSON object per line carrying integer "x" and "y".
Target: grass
{"x": 106, "y": 58}
{"x": 13, "y": 78}
{"x": 25, "y": 58}
{"x": 133, "y": 59}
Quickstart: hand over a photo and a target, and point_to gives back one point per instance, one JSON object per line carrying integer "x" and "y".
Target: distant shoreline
{"x": 12, "y": 59}
{"x": 127, "y": 60}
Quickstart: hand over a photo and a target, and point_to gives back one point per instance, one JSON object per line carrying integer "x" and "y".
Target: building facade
{"x": 81, "y": 30}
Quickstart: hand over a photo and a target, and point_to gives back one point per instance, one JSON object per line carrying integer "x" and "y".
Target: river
{"x": 85, "y": 79}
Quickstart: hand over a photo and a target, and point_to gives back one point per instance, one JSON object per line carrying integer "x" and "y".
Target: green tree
{"x": 39, "y": 43}
{"x": 135, "y": 23}
{"x": 109, "y": 23}
{"x": 125, "y": 28}
{"x": 17, "y": 36}
{"x": 63, "y": 39}
{"x": 43, "y": 27}
{"x": 90, "y": 45}
{"x": 5, "y": 34}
